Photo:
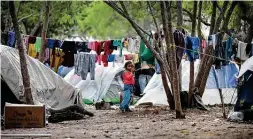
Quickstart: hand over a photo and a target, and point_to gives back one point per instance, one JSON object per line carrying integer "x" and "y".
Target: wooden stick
{"x": 222, "y": 103}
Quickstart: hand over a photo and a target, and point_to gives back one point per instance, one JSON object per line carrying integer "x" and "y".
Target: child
{"x": 128, "y": 80}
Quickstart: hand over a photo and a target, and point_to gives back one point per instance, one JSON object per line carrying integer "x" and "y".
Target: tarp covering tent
{"x": 245, "y": 92}
{"x": 154, "y": 92}
{"x": 47, "y": 87}
{"x": 106, "y": 86}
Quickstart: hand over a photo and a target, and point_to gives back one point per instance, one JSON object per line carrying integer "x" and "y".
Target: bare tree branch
{"x": 25, "y": 17}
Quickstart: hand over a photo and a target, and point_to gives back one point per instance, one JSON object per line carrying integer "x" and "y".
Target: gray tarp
{"x": 47, "y": 87}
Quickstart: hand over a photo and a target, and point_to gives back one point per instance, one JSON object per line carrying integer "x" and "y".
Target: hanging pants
{"x": 128, "y": 91}
{"x": 85, "y": 63}
{"x": 143, "y": 81}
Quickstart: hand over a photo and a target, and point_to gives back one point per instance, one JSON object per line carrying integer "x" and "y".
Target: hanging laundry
{"x": 192, "y": 43}
{"x": 82, "y": 47}
{"x": 47, "y": 55}
{"x": 119, "y": 59}
{"x": 225, "y": 77}
{"x": 105, "y": 60}
{"x": 50, "y": 43}
{"x": 68, "y": 47}
{"x": 38, "y": 44}
{"x": 11, "y": 39}
{"x": 241, "y": 51}
{"x": 132, "y": 45}
{"x": 229, "y": 50}
{"x": 31, "y": 46}
{"x": 180, "y": 43}
{"x": 56, "y": 58}
{"x": 112, "y": 47}
{"x": 135, "y": 58}
{"x": 128, "y": 57}
{"x": 99, "y": 59}
{"x": 117, "y": 43}
{"x": 219, "y": 51}
{"x": 111, "y": 58}
{"x": 157, "y": 67}
{"x": 85, "y": 64}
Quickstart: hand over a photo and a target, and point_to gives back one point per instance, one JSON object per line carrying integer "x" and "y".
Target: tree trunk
{"x": 206, "y": 62}
{"x": 179, "y": 26}
{"x": 213, "y": 18}
{"x": 44, "y": 32}
{"x": 199, "y": 21}
{"x": 171, "y": 44}
{"x": 193, "y": 34}
{"x": 179, "y": 14}
{"x": 23, "y": 63}
{"x": 220, "y": 17}
{"x": 228, "y": 15}
{"x": 166, "y": 87}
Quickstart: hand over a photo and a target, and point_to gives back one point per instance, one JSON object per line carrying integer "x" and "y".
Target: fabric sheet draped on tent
{"x": 47, "y": 87}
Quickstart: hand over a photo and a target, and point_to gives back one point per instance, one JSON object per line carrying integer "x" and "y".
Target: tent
{"x": 244, "y": 101}
{"x": 47, "y": 87}
{"x": 106, "y": 86}
{"x": 154, "y": 91}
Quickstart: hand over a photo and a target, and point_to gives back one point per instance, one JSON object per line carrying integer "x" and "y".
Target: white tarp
{"x": 247, "y": 65}
{"x": 95, "y": 90}
{"x": 154, "y": 91}
{"x": 47, "y": 87}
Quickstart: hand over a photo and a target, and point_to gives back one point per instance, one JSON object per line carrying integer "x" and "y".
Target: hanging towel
{"x": 11, "y": 39}
{"x": 241, "y": 52}
{"x": 38, "y": 44}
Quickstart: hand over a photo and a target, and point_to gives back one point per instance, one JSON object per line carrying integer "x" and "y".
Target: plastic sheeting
{"x": 47, "y": 87}
{"x": 96, "y": 90}
{"x": 154, "y": 91}
{"x": 247, "y": 65}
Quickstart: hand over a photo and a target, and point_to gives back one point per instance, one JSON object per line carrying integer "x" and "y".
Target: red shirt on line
{"x": 128, "y": 78}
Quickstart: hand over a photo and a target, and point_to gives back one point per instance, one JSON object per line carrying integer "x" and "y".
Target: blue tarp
{"x": 223, "y": 78}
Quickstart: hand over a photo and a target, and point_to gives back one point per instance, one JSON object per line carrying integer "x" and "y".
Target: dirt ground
{"x": 146, "y": 123}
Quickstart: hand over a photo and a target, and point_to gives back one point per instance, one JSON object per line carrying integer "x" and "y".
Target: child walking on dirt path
{"x": 128, "y": 80}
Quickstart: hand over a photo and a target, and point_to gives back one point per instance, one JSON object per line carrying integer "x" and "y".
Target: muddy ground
{"x": 147, "y": 123}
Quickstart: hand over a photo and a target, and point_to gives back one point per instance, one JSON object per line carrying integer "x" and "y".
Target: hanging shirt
{"x": 11, "y": 39}
{"x": 68, "y": 47}
{"x": 82, "y": 47}
{"x": 38, "y": 44}
{"x": 241, "y": 51}
{"x": 192, "y": 43}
